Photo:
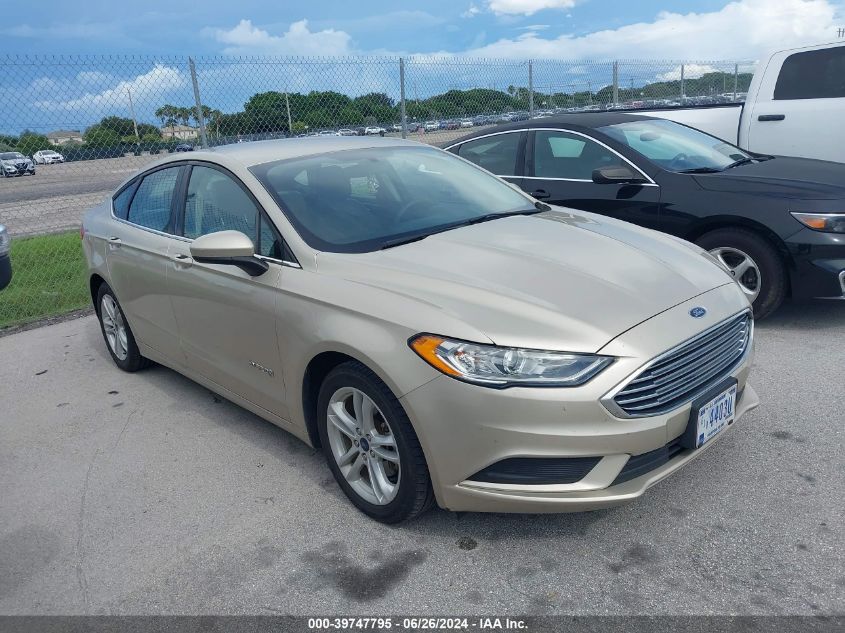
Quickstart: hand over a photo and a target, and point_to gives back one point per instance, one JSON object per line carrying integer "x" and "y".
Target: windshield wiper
{"x": 700, "y": 170}
{"x": 741, "y": 161}
{"x": 495, "y": 216}
{"x": 476, "y": 220}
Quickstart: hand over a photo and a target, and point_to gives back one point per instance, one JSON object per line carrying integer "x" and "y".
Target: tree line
{"x": 271, "y": 112}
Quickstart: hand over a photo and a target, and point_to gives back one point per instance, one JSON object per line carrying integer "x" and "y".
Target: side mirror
{"x": 228, "y": 248}
{"x": 616, "y": 175}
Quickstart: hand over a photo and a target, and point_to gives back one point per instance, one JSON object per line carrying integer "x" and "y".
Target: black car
{"x": 777, "y": 223}
{"x": 184, "y": 147}
{"x": 5, "y": 262}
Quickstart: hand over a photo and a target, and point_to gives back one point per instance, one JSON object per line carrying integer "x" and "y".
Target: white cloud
{"x": 151, "y": 86}
{"x": 691, "y": 71}
{"x": 527, "y": 7}
{"x": 471, "y": 12}
{"x": 246, "y": 38}
{"x": 740, "y": 30}
{"x": 534, "y": 27}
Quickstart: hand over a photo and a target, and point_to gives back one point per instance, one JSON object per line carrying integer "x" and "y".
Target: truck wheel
{"x": 753, "y": 262}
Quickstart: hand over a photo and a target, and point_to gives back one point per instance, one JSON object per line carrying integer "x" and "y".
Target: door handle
{"x": 182, "y": 261}
{"x": 771, "y": 117}
{"x": 114, "y": 242}
{"x": 541, "y": 194}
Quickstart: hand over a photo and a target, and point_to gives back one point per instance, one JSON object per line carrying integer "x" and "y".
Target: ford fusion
{"x": 443, "y": 337}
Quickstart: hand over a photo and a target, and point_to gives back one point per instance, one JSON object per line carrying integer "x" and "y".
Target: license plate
{"x": 715, "y": 415}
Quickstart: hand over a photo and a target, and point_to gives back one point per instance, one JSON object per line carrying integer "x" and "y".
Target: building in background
{"x": 62, "y": 137}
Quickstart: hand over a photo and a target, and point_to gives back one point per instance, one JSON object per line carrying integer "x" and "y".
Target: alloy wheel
{"x": 114, "y": 327}
{"x": 363, "y": 445}
{"x": 744, "y": 270}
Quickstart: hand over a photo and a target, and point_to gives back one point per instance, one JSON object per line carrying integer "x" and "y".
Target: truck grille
{"x": 683, "y": 373}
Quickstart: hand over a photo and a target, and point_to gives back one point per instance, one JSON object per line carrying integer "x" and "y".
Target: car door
{"x": 501, "y": 153}
{"x": 796, "y": 114}
{"x": 137, "y": 256}
{"x": 227, "y": 318}
{"x": 559, "y": 170}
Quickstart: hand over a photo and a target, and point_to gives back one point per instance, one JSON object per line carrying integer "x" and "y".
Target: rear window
{"x": 812, "y": 75}
{"x": 121, "y": 201}
{"x": 150, "y": 207}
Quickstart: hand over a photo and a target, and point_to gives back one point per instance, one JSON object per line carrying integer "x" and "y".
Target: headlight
{"x": 494, "y": 366}
{"x": 827, "y": 222}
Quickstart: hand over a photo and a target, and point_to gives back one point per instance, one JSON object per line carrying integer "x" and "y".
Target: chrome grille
{"x": 683, "y": 373}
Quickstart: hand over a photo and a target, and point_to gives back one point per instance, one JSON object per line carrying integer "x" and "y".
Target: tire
{"x": 127, "y": 356}
{"x": 413, "y": 491}
{"x": 772, "y": 281}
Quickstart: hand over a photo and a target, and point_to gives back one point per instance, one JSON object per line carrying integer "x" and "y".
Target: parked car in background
{"x": 16, "y": 164}
{"x": 431, "y": 126}
{"x": 327, "y": 133}
{"x": 186, "y": 147}
{"x": 440, "y": 334}
{"x": 371, "y": 130}
{"x": 5, "y": 260}
{"x": 47, "y": 157}
{"x": 777, "y": 224}
{"x": 466, "y": 123}
{"x": 346, "y": 132}
{"x": 794, "y": 106}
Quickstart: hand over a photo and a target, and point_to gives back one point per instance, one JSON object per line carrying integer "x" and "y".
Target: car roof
{"x": 258, "y": 152}
{"x": 581, "y": 120}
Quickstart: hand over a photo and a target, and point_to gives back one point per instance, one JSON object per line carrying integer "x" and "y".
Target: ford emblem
{"x": 697, "y": 312}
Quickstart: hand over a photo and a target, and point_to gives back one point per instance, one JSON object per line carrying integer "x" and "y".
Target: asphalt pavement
{"x": 146, "y": 493}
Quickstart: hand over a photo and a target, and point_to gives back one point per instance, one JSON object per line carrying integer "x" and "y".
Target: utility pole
{"x": 200, "y": 117}
{"x": 683, "y": 92}
{"x": 402, "y": 97}
{"x": 287, "y": 105}
{"x": 736, "y": 77}
{"x": 615, "y": 83}
{"x": 132, "y": 112}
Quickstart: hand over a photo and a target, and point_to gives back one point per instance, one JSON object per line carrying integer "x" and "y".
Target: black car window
{"x": 120, "y": 204}
{"x": 497, "y": 153}
{"x": 150, "y": 206}
{"x": 812, "y": 75}
{"x": 217, "y": 203}
{"x": 566, "y": 155}
{"x": 270, "y": 243}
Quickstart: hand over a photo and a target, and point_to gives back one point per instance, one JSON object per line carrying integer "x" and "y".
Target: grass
{"x": 48, "y": 279}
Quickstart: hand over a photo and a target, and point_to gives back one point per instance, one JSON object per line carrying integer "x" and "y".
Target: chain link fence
{"x": 73, "y": 128}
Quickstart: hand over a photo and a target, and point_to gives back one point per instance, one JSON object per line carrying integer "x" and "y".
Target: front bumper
{"x": 819, "y": 270}
{"x": 465, "y": 428}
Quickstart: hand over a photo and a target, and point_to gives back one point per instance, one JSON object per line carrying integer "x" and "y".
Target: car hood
{"x": 556, "y": 280}
{"x": 781, "y": 177}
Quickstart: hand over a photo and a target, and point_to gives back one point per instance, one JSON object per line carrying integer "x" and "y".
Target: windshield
{"x": 354, "y": 201}
{"x": 675, "y": 147}
{"x": 10, "y": 155}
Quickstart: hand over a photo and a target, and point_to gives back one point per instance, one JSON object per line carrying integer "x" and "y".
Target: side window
{"x": 812, "y": 75}
{"x": 497, "y": 154}
{"x": 270, "y": 243}
{"x": 150, "y": 207}
{"x": 565, "y": 155}
{"x": 217, "y": 203}
{"x": 120, "y": 203}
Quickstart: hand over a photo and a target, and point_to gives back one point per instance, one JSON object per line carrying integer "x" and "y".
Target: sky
{"x": 160, "y": 34}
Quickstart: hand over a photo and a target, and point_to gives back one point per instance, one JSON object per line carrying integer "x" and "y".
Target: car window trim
{"x": 521, "y": 153}
{"x": 529, "y": 156}
{"x": 190, "y": 164}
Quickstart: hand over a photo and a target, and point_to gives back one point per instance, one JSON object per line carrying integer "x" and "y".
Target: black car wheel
{"x": 370, "y": 445}
{"x": 116, "y": 331}
{"x": 754, "y": 264}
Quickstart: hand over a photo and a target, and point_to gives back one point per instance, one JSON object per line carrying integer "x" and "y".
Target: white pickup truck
{"x": 795, "y": 106}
